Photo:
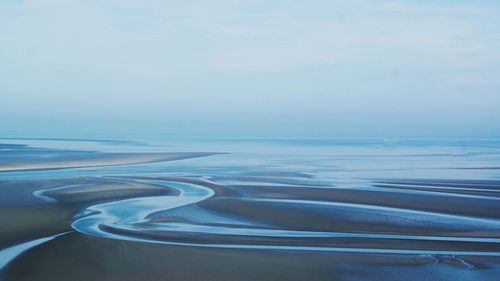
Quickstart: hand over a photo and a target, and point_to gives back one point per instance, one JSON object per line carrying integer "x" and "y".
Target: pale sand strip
{"x": 109, "y": 159}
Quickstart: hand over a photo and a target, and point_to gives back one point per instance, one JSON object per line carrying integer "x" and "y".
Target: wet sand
{"x": 78, "y": 257}
{"x": 188, "y": 221}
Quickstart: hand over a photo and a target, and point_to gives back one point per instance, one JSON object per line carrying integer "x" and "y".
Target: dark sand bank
{"x": 27, "y": 214}
{"x": 75, "y": 257}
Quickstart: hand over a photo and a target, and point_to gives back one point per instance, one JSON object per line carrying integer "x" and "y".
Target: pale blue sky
{"x": 359, "y": 68}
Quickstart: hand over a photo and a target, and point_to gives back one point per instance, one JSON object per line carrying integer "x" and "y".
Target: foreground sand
{"x": 74, "y": 256}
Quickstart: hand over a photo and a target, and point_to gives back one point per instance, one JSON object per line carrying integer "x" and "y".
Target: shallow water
{"x": 319, "y": 209}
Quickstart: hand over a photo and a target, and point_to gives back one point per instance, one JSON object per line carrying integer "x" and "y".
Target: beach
{"x": 251, "y": 210}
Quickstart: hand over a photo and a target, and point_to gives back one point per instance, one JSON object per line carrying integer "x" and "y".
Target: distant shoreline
{"x": 101, "y": 159}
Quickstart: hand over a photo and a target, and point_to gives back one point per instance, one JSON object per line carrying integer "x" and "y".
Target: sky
{"x": 283, "y": 68}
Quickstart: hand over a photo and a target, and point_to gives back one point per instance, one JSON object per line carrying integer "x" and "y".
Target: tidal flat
{"x": 249, "y": 209}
